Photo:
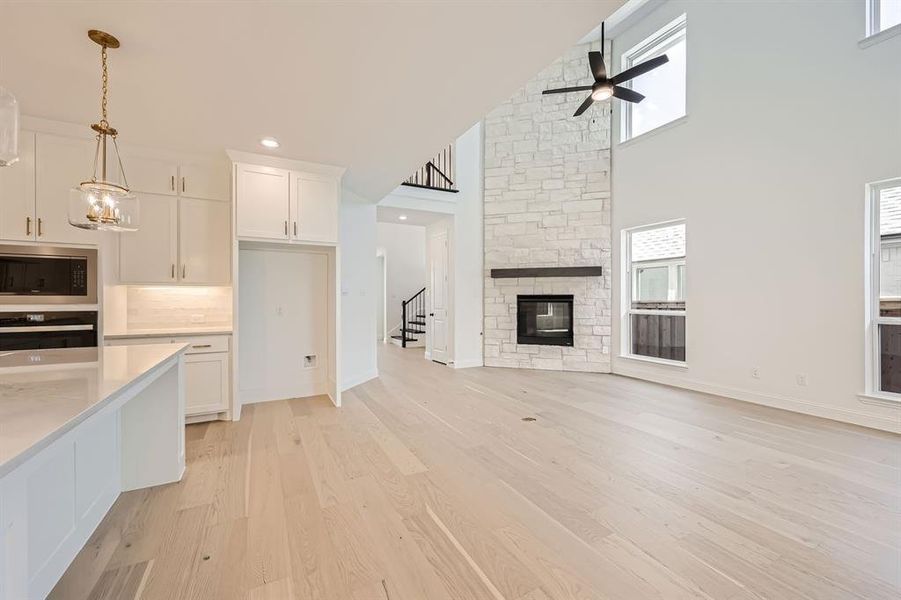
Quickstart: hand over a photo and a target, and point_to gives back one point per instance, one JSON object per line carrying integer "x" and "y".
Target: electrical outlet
{"x": 198, "y": 318}
{"x": 801, "y": 379}
{"x": 755, "y": 372}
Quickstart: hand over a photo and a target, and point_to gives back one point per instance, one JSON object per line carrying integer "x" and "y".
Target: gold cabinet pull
{"x": 173, "y": 270}
{"x": 202, "y": 346}
{"x": 286, "y": 228}
{"x": 27, "y": 225}
{"x": 183, "y": 184}
{"x": 172, "y": 182}
{"x": 295, "y": 227}
{"x": 184, "y": 270}
{"x": 40, "y": 227}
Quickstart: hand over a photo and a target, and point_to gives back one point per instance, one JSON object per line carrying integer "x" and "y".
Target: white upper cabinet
{"x": 314, "y": 208}
{"x": 17, "y": 216}
{"x": 150, "y": 175}
{"x": 204, "y": 241}
{"x": 294, "y": 206}
{"x": 208, "y": 181}
{"x": 150, "y": 254}
{"x": 262, "y": 202}
{"x": 61, "y": 163}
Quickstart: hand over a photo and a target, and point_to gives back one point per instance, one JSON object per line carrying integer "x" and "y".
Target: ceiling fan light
{"x": 602, "y": 93}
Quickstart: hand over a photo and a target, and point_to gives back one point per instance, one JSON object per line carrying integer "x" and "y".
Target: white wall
{"x": 358, "y": 290}
{"x": 283, "y": 317}
{"x": 467, "y": 249}
{"x": 404, "y": 251}
{"x": 788, "y": 119}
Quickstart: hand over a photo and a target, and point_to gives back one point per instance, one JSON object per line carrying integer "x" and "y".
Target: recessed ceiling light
{"x": 269, "y": 142}
{"x": 402, "y": 217}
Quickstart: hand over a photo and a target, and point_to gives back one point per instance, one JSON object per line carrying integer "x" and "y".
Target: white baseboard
{"x": 350, "y": 382}
{"x": 267, "y": 395}
{"x": 468, "y": 363}
{"x": 806, "y": 407}
{"x": 428, "y": 355}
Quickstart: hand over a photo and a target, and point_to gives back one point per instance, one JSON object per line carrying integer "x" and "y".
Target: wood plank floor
{"x": 436, "y": 484}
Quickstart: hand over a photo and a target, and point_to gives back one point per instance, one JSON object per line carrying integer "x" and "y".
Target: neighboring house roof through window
{"x": 663, "y": 242}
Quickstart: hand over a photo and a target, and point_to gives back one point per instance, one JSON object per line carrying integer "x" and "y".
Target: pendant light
{"x": 9, "y": 128}
{"x": 101, "y": 203}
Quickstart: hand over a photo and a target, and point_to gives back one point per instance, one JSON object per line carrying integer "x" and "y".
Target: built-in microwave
{"x": 47, "y": 275}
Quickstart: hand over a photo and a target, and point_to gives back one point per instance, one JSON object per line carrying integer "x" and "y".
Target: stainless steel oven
{"x": 51, "y": 329}
{"x": 47, "y": 275}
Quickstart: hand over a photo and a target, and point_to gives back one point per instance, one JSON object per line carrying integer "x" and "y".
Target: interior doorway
{"x": 381, "y": 329}
{"x": 438, "y": 297}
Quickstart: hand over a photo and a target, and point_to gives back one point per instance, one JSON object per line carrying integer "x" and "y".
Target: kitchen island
{"x": 79, "y": 426}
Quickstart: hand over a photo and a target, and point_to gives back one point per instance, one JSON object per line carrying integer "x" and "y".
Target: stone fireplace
{"x": 547, "y": 221}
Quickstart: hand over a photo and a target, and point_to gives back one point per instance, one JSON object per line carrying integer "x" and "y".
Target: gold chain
{"x": 103, "y": 120}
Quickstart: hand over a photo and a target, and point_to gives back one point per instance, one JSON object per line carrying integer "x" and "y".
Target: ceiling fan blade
{"x": 584, "y": 106}
{"x": 648, "y": 65}
{"x": 579, "y": 88}
{"x": 598, "y": 68}
{"x": 624, "y": 93}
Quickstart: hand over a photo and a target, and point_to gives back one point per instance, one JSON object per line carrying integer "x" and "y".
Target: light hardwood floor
{"x": 435, "y": 484}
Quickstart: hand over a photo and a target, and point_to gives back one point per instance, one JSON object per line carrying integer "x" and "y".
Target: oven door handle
{"x": 45, "y": 328}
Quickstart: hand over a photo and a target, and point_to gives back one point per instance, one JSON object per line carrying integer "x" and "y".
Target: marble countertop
{"x": 45, "y": 393}
{"x": 167, "y": 332}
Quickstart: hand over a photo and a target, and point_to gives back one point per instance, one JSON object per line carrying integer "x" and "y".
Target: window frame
{"x": 672, "y": 276}
{"x": 873, "y": 384}
{"x": 874, "y": 8}
{"x": 629, "y": 278}
{"x": 661, "y": 40}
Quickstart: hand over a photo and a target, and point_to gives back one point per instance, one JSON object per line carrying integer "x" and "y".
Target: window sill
{"x": 655, "y": 361}
{"x": 885, "y": 34}
{"x": 881, "y": 399}
{"x": 652, "y": 132}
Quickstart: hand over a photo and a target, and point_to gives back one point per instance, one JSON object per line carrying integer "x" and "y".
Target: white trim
{"x": 652, "y": 132}
{"x": 872, "y": 319}
{"x": 657, "y": 43}
{"x": 657, "y": 361}
{"x": 875, "y": 38}
{"x": 882, "y": 399}
{"x": 359, "y": 379}
{"x": 626, "y": 291}
{"x": 844, "y": 415}
{"x": 290, "y": 164}
{"x": 468, "y": 363}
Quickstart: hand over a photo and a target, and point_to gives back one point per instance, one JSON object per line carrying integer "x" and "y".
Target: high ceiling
{"x": 376, "y": 87}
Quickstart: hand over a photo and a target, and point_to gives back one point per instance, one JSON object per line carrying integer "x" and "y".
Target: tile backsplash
{"x": 155, "y": 307}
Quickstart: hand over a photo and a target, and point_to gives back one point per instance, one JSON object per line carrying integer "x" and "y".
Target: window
{"x": 663, "y": 88}
{"x": 654, "y": 292}
{"x": 885, "y": 301}
{"x": 882, "y": 15}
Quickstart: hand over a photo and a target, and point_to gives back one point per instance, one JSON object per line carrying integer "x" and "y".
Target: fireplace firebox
{"x": 544, "y": 320}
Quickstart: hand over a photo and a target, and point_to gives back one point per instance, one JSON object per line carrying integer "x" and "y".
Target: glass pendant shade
{"x": 9, "y": 128}
{"x": 98, "y": 205}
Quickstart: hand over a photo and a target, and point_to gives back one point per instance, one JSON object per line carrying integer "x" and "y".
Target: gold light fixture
{"x": 101, "y": 203}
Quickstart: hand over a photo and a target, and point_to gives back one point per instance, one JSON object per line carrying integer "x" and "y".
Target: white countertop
{"x": 45, "y": 393}
{"x": 168, "y": 332}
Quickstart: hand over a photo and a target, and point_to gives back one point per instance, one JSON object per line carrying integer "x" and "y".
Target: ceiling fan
{"x": 604, "y": 87}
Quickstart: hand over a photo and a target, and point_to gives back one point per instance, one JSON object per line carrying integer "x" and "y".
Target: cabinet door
{"x": 207, "y": 181}
{"x": 150, "y": 175}
{"x": 17, "y": 218}
{"x": 314, "y": 208}
{"x": 148, "y": 255}
{"x": 61, "y": 163}
{"x": 206, "y": 383}
{"x": 262, "y": 202}
{"x": 204, "y": 240}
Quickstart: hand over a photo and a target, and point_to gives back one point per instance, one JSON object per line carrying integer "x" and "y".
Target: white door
{"x": 149, "y": 255}
{"x": 263, "y": 199}
{"x": 314, "y": 207}
{"x": 17, "y": 194}
{"x": 438, "y": 296}
{"x": 204, "y": 240}
{"x": 60, "y": 164}
{"x": 208, "y": 181}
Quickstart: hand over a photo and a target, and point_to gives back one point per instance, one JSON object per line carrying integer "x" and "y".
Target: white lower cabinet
{"x": 207, "y": 368}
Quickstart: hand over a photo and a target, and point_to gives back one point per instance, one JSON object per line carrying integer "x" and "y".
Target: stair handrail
{"x": 418, "y": 301}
